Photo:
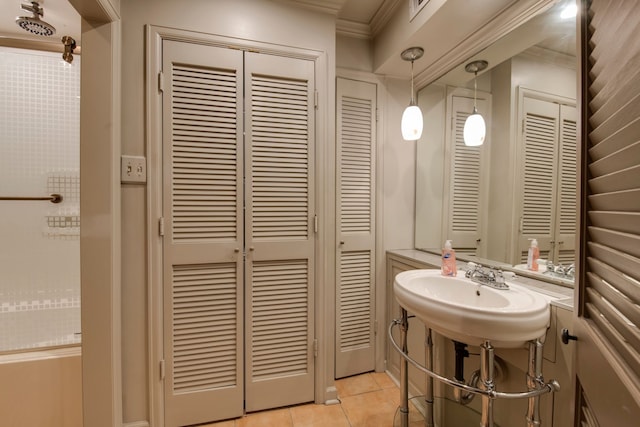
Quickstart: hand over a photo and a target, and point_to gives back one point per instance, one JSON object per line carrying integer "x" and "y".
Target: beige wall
{"x": 354, "y": 54}
{"x": 258, "y": 20}
{"x": 399, "y": 157}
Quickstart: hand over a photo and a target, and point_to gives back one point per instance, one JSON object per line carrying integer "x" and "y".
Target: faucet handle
{"x": 496, "y": 276}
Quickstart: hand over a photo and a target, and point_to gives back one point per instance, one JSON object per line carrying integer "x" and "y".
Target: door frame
{"x": 324, "y": 389}
{"x": 100, "y": 254}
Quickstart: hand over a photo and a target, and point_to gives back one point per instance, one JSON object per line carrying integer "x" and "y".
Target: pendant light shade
{"x": 411, "y": 124}
{"x": 475, "y": 130}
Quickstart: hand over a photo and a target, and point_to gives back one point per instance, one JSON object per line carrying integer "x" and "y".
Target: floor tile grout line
{"x": 346, "y": 416}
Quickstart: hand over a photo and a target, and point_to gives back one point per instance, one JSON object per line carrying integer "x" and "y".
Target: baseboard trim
{"x": 136, "y": 424}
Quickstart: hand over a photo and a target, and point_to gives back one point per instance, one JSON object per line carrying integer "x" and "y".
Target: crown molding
{"x": 383, "y": 15}
{"x": 551, "y": 56}
{"x": 353, "y": 29}
{"x": 327, "y": 6}
{"x": 368, "y": 31}
{"x": 498, "y": 26}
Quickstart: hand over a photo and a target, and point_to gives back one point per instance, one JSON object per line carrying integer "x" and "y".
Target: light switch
{"x": 133, "y": 169}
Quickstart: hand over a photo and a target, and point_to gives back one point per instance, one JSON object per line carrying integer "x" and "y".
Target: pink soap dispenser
{"x": 448, "y": 260}
{"x": 532, "y": 255}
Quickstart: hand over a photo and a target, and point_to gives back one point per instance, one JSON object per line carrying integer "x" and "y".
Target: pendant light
{"x": 475, "y": 129}
{"x": 411, "y": 124}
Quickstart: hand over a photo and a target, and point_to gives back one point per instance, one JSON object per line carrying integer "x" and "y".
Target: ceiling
{"x": 357, "y": 18}
{"x": 359, "y": 14}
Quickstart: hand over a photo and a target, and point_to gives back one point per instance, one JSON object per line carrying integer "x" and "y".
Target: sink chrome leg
{"x": 428, "y": 398}
{"x": 486, "y": 378}
{"x": 534, "y": 381}
{"x": 404, "y": 371}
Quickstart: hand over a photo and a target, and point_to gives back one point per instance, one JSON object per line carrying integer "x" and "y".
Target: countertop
{"x": 560, "y": 296}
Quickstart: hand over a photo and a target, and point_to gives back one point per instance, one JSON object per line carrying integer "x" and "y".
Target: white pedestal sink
{"x": 465, "y": 311}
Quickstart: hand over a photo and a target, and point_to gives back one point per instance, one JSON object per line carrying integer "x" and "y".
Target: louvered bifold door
{"x": 280, "y": 236}
{"x": 202, "y": 208}
{"x": 355, "y": 257}
{"x": 566, "y": 203}
{"x": 463, "y": 214}
{"x": 539, "y": 154}
{"x": 608, "y": 309}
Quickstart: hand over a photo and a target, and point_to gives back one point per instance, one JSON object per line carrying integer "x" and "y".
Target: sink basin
{"x": 470, "y": 313}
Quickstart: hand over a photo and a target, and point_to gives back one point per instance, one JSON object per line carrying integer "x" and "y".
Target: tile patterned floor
{"x": 367, "y": 400}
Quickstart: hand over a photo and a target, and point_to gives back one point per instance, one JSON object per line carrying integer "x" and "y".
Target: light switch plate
{"x": 133, "y": 169}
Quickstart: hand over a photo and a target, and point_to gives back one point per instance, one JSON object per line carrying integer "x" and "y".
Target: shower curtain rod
{"x": 54, "y": 198}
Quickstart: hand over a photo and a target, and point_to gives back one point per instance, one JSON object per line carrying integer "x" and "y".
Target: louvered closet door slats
{"x": 204, "y": 154}
{"x": 613, "y": 237}
{"x": 355, "y": 300}
{"x": 567, "y": 179}
{"x": 202, "y": 207}
{"x": 355, "y": 257}
{"x": 541, "y": 185}
{"x": 204, "y": 327}
{"x": 613, "y": 294}
{"x": 280, "y": 158}
{"x": 279, "y": 147}
{"x": 540, "y": 136}
{"x": 466, "y": 190}
{"x": 464, "y": 221}
{"x": 280, "y": 321}
{"x": 608, "y": 311}
{"x": 356, "y": 165}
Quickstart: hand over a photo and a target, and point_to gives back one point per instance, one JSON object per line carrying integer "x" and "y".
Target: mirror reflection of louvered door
{"x": 280, "y": 234}
{"x": 355, "y": 257}
{"x": 466, "y": 193}
{"x": 565, "y": 240}
{"x": 238, "y": 245}
{"x": 548, "y": 180}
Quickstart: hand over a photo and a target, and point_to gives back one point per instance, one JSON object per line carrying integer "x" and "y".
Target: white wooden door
{"x": 607, "y": 368}
{"x": 564, "y": 247}
{"x": 548, "y": 179}
{"x": 465, "y": 190}
{"x": 280, "y": 234}
{"x": 203, "y": 237}
{"x": 355, "y": 231}
{"x": 238, "y": 248}
{"x": 539, "y": 154}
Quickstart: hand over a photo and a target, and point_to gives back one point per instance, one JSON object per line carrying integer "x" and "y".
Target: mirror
{"x": 520, "y": 185}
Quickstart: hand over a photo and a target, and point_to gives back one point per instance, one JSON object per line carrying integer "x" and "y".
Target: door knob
{"x": 566, "y": 336}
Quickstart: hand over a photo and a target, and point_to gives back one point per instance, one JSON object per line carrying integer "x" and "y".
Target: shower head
{"x": 34, "y": 24}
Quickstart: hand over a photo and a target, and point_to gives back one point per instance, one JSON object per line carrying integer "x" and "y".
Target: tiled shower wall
{"x": 39, "y": 240}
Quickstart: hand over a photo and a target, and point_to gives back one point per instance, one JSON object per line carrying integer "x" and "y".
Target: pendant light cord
{"x": 475, "y": 90}
{"x": 412, "y": 98}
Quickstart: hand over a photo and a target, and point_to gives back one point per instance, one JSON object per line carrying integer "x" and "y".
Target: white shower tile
{"x": 39, "y": 153}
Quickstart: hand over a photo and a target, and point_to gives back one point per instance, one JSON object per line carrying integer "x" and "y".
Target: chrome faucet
{"x": 485, "y": 276}
{"x": 559, "y": 270}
